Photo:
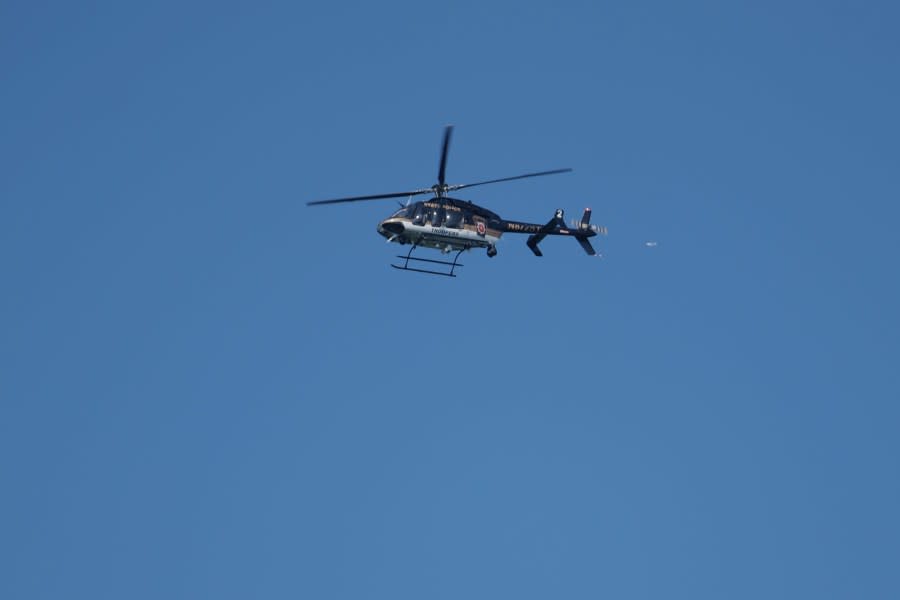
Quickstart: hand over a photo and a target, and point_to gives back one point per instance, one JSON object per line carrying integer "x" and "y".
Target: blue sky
{"x": 210, "y": 389}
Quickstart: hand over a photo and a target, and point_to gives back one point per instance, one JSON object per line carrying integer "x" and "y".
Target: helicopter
{"x": 452, "y": 225}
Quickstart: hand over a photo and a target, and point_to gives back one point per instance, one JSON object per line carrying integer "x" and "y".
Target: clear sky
{"x": 210, "y": 390}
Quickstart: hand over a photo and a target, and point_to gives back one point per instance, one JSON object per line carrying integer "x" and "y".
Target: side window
{"x": 436, "y": 216}
{"x": 418, "y": 217}
{"x": 454, "y": 219}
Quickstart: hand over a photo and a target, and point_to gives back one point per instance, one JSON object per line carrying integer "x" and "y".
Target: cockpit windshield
{"x": 406, "y": 211}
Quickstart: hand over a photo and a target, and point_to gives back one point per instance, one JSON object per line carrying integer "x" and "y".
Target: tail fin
{"x": 586, "y": 245}
{"x": 581, "y": 231}
{"x": 582, "y": 238}
{"x": 585, "y": 219}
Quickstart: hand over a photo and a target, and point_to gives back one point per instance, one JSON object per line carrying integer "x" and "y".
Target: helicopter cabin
{"x": 454, "y": 214}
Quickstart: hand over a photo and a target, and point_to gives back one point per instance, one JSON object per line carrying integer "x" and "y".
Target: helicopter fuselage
{"x": 445, "y": 224}
{"x": 452, "y": 225}
{"x": 448, "y": 225}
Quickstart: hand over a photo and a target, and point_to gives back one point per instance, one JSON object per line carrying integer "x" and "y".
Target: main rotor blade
{"x": 373, "y": 197}
{"x": 448, "y": 131}
{"x": 467, "y": 185}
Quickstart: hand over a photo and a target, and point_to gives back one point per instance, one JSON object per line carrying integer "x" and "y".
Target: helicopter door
{"x": 454, "y": 219}
{"x": 418, "y": 218}
{"x": 436, "y": 217}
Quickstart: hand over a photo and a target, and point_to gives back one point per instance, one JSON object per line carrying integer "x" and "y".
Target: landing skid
{"x": 410, "y": 257}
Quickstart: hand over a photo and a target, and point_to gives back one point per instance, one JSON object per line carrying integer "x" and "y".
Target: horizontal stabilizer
{"x": 553, "y": 226}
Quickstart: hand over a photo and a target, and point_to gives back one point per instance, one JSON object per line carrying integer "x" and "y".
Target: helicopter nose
{"x": 392, "y": 227}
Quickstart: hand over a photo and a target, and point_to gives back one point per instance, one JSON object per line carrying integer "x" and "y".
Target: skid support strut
{"x": 410, "y": 257}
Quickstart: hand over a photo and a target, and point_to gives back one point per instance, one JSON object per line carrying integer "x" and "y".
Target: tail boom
{"x": 581, "y": 231}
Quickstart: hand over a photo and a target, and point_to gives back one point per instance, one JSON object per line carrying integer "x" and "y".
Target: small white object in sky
{"x": 650, "y": 244}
